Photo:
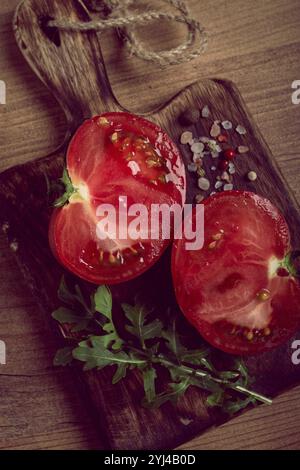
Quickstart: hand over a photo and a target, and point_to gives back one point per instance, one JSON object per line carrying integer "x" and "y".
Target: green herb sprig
{"x": 147, "y": 345}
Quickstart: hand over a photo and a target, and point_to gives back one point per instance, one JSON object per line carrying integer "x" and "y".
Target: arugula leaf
{"x": 63, "y": 356}
{"x": 103, "y": 301}
{"x": 120, "y": 373}
{"x": 137, "y": 315}
{"x": 181, "y": 353}
{"x": 72, "y": 298}
{"x": 216, "y": 398}
{"x": 234, "y": 406}
{"x": 173, "y": 341}
{"x": 97, "y": 355}
{"x": 198, "y": 357}
{"x": 69, "y": 189}
{"x": 229, "y": 374}
{"x": 103, "y": 305}
{"x": 228, "y": 389}
{"x": 239, "y": 365}
{"x": 66, "y": 315}
{"x": 176, "y": 389}
{"x": 149, "y": 376}
{"x": 65, "y": 294}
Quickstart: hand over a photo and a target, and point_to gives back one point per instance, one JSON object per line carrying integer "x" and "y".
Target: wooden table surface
{"x": 257, "y": 46}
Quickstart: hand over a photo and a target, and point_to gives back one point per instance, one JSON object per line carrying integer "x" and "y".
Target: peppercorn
{"x": 190, "y": 116}
{"x": 229, "y": 154}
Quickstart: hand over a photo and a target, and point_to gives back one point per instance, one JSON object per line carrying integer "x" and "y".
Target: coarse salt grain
{"x": 185, "y": 421}
{"x": 252, "y": 176}
{"x": 199, "y": 198}
{"x": 192, "y": 167}
{"x": 5, "y": 227}
{"x": 219, "y": 184}
{"x": 243, "y": 149}
{"x": 231, "y": 169}
{"x": 214, "y": 146}
{"x": 186, "y": 137}
{"x": 227, "y": 125}
{"x": 205, "y": 113}
{"x": 204, "y": 140}
{"x": 197, "y": 147}
{"x": 14, "y": 246}
{"x": 241, "y": 130}
{"x": 225, "y": 176}
{"x": 215, "y": 130}
{"x": 228, "y": 187}
{"x": 203, "y": 183}
{"x": 197, "y": 157}
{"x": 215, "y": 154}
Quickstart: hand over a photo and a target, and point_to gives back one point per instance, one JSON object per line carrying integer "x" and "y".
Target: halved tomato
{"x": 239, "y": 290}
{"x": 117, "y": 159}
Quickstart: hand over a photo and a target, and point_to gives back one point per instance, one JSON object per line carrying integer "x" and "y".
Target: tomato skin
{"x": 101, "y": 162}
{"x": 217, "y": 288}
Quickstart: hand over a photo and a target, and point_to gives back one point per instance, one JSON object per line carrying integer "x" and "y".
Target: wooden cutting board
{"x": 71, "y": 65}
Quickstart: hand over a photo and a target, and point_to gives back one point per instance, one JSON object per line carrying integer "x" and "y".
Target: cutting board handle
{"x": 69, "y": 63}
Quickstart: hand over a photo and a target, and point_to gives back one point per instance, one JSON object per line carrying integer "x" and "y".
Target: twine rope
{"x": 118, "y": 16}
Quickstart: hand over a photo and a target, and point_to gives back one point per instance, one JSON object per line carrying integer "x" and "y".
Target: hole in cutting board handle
{"x": 51, "y": 32}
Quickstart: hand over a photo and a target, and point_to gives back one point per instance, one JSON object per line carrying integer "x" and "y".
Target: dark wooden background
{"x": 258, "y": 48}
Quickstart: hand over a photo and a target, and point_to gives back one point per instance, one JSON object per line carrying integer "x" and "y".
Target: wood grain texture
{"x": 278, "y": 102}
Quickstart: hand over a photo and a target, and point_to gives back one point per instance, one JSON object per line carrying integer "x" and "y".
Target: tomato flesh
{"x": 230, "y": 289}
{"x": 111, "y": 156}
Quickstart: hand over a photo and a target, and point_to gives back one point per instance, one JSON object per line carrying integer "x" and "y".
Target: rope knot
{"x": 115, "y": 14}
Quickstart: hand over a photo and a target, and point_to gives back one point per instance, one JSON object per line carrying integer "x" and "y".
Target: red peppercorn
{"x": 223, "y": 164}
{"x": 283, "y": 272}
{"x": 229, "y": 154}
{"x": 222, "y": 138}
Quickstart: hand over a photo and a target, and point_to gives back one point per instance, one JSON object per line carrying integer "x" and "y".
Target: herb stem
{"x": 202, "y": 374}
{"x": 251, "y": 393}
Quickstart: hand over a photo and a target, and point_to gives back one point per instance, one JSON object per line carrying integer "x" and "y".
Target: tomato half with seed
{"x": 237, "y": 289}
{"x": 115, "y": 160}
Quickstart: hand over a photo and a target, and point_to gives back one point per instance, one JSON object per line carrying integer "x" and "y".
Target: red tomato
{"x": 231, "y": 290}
{"x": 112, "y": 155}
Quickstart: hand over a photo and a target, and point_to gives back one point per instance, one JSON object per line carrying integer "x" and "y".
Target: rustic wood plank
{"x": 282, "y": 20}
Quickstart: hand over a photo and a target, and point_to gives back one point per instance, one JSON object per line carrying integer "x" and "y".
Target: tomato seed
{"x": 114, "y": 137}
{"x": 212, "y": 245}
{"x": 264, "y": 295}
{"x": 217, "y": 236}
{"x": 250, "y": 335}
{"x": 103, "y": 122}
